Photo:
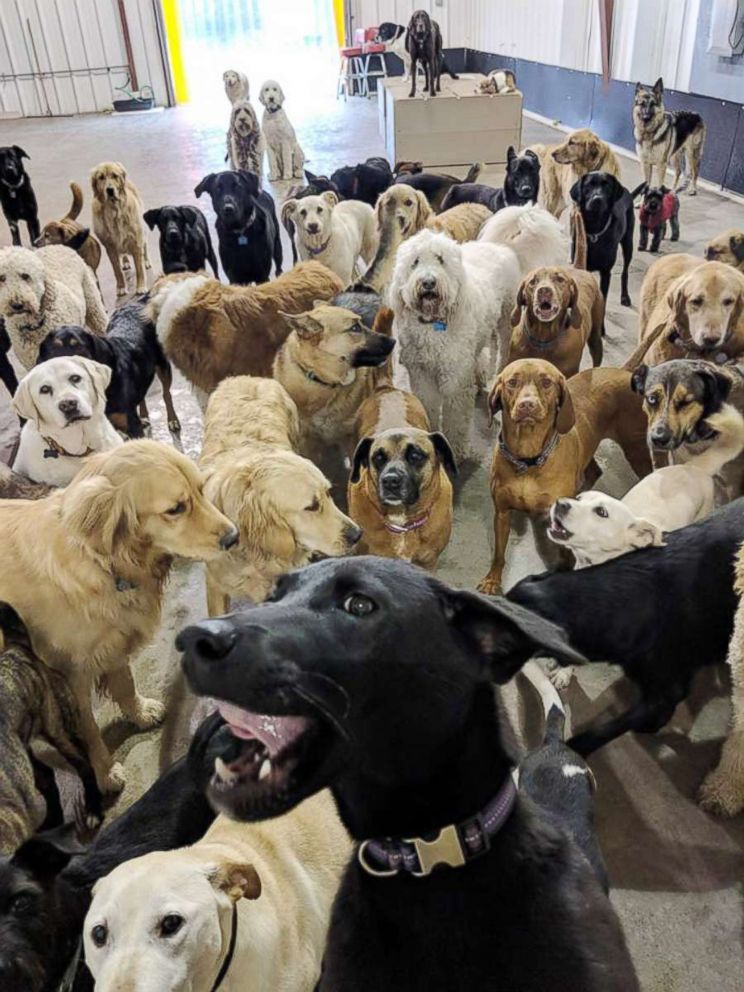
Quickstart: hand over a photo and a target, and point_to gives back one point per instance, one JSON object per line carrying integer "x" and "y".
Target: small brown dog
{"x": 400, "y": 491}
{"x": 69, "y": 233}
{"x": 727, "y": 247}
{"x": 558, "y": 311}
{"x": 561, "y": 165}
{"x": 117, "y": 221}
{"x": 550, "y": 429}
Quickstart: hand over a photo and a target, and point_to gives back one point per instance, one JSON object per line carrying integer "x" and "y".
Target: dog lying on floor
{"x": 435, "y": 185}
{"x": 204, "y": 900}
{"x": 63, "y": 402}
{"x": 336, "y": 234}
{"x": 185, "y": 242}
{"x": 550, "y": 430}
{"x": 280, "y": 501}
{"x": 69, "y": 233}
{"x": 210, "y": 331}
{"x": 727, "y": 247}
{"x": 399, "y": 719}
{"x": 364, "y": 181}
{"x": 520, "y": 188}
{"x": 399, "y": 489}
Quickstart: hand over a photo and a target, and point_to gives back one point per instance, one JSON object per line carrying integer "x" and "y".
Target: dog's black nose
{"x": 428, "y": 284}
{"x": 353, "y": 535}
{"x": 230, "y": 538}
{"x": 313, "y": 228}
{"x": 209, "y": 640}
{"x": 68, "y": 407}
{"x": 17, "y": 307}
{"x": 661, "y": 436}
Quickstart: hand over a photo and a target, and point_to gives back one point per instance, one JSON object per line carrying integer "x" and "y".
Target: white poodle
{"x": 237, "y": 86}
{"x": 285, "y": 156}
{"x": 451, "y": 302}
{"x": 333, "y": 233}
{"x": 42, "y": 289}
{"x": 534, "y": 235}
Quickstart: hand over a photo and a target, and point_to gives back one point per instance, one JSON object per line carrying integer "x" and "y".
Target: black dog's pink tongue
{"x": 274, "y": 732}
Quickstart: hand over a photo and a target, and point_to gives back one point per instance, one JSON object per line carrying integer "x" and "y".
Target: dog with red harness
{"x": 660, "y": 207}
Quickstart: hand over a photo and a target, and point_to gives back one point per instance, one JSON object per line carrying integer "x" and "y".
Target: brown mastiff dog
{"x": 550, "y": 429}
{"x": 400, "y": 491}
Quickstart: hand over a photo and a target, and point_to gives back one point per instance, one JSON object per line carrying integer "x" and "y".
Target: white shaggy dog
{"x": 165, "y": 921}
{"x": 451, "y": 302}
{"x": 597, "y": 527}
{"x": 237, "y": 86}
{"x": 64, "y": 404}
{"x": 245, "y": 144}
{"x": 285, "y": 156}
{"x": 534, "y": 235}
{"x": 334, "y": 233}
{"x": 42, "y": 289}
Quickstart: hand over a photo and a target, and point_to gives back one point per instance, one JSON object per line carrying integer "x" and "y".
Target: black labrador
{"x": 436, "y": 185}
{"x": 185, "y": 242}
{"x": 379, "y": 682}
{"x": 132, "y": 351}
{"x": 659, "y": 613}
{"x": 521, "y": 185}
{"x": 17, "y": 195}
{"x": 606, "y": 207}
{"x": 247, "y": 228}
{"x": 363, "y": 181}
{"x": 7, "y": 372}
{"x": 424, "y": 45}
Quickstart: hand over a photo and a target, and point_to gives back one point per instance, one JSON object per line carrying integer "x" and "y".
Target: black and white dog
{"x": 185, "y": 241}
{"x": 521, "y": 185}
{"x": 17, "y": 196}
{"x": 247, "y": 228}
{"x": 662, "y": 135}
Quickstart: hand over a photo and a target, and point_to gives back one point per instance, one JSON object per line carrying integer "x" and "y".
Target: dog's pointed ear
{"x": 23, "y": 402}
{"x": 237, "y": 881}
{"x": 736, "y": 244}
{"x": 445, "y": 452}
{"x": 205, "y": 185}
{"x": 20, "y": 152}
{"x": 305, "y": 325}
{"x": 638, "y": 379}
{"x": 100, "y": 377}
{"x": 659, "y": 88}
{"x": 664, "y": 190}
{"x": 45, "y": 854}
{"x": 640, "y": 190}
{"x": 573, "y": 303}
{"x": 360, "y": 458}
{"x": 310, "y": 177}
{"x": 495, "y": 397}
{"x": 519, "y": 303}
{"x": 638, "y": 87}
{"x": 151, "y": 217}
{"x": 716, "y": 385}
{"x": 329, "y": 197}
{"x": 566, "y": 418}
{"x": 644, "y": 534}
{"x": 505, "y": 634}
{"x": 510, "y": 156}
{"x": 249, "y": 180}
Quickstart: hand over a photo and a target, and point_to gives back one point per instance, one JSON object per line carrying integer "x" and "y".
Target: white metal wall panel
{"x": 451, "y": 15}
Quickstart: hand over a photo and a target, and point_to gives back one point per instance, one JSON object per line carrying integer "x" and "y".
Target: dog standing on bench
{"x": 424, "y": 45}
{"x": 379, "y": 682}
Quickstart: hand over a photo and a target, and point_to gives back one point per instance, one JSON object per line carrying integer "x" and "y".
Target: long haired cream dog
{"x": 166, "y": 920}
{"x": 63, "y": 402}
{"x": 280, "y": 501}
{"x": 534, "y": 235}
{"x": 285, "y": 156}
{"x": 334, "y": 233}
{"x": 85, "y": 569}
{"x": 237, "y": 86}
{"x": 117, "y": 222}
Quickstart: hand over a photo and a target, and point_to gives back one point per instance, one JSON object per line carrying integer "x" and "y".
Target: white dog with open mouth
{"x": 452, "y": 304}
{"x": 237, "y": 86}
{"x": 285, "y": 156}
{"x": 336, "y": 234}
{"x": 245, "y": 909}
{"x": 63, "y": 402}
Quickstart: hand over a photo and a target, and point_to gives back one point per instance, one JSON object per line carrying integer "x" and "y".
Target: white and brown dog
{"x": 283, "y": 151}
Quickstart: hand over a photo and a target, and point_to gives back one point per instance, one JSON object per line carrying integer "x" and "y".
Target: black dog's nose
{"x": 209, "y": 640}
{"x": 428, "y": 284}
{"x": 230, "y": 538}
{"x": 313, "y": 228}
{"x": 68, "y": 406}
{"x": 661, "y": 436}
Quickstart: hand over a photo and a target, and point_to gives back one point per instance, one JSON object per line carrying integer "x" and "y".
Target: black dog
{"x": 364, "y": 181}
{"x": 424, "y": 45}
{"x": 658, "y": 613}
{"x": 7, "y": 372}
{"x": 17, "y": 195}
{"x": 606, "y": 208}
{"x": 379, "y": 681}
{"x": 247, "y": 228}
{"x": 132, "y": 351}
{"x": 436, "y": 185}
{"x": 185, "y": 242}
{"x": 521, "y": 185}
{"x": 659, "y": 207}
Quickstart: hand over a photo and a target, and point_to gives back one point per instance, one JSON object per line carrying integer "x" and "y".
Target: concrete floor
{"x": 676, "y": 873}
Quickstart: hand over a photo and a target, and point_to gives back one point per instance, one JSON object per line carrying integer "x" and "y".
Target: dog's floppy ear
{"x": 20, "y": 152}
{"x": 566, "y": 417}
{"x": 281, "y": 93}
{"x": 638, "y": 379}
{"x": 659, "y": 88}
{"x": 736, "y": 244}
{"x": 577, "y": 191}
{"x": 306, "y": 326}
{"x": 532, "y": 156}
{"x": 100, "y": 377}
{"x": 45, "y": 854}
{"x": 519, "y": 303}
{"x": 237, "y": 881}
{"x": 360, "y": 458}
{"x": 423, "y": 210}
{"x": 495, "y": 398}
{"x": 99, "y": 512}
{"x": 716, "y": 385}
{"x": 23, "y": 402}
{"x": 573, "y": 303}
{"x": 644, "y": 534}
{"x": 445, "y": 452}
{"x": 152, "y": 217}
{"x": 249, "y": 180}
{"x": 329, "y": 197}
{"x": 594, "y": 150}
{"x": 205, "y": 185}
{"x": 261, "y": 97}
{"x": 189, "y": 214}
{"x": 288, "y": 209}
{"x": 505, "y": 634}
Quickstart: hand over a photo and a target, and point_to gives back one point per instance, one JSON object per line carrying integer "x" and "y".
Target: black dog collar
{"x": 455, "y": 845}
{"x": 523, "y": 464}
{"x": 230, "y": 950}
{"x": 593, "y": 238}
{"x": 546, "y": 342}
{"x": 690, "y": 348}
{"x": 309, "y": 374}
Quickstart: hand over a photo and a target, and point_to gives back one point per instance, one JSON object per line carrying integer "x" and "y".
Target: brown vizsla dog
{"x": 558, "y": 311}
{"x": 550, "y": 429}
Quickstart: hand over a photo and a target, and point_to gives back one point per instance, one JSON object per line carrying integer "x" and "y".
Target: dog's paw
{"x": 174, "y": 426}
{"x": 692, "y": 192}
{"x": 718, "y": 795}
{"x": 561, "y": 677}
{"x": 114, "y": 781}
{"x": 625, "y": 301}
{"x": 148, "y": 714}
{"x": 140, "y": 288}
{"x": 126, "y": 262}
{"x": 121, "y": 290}
{"x": 489, "y": 586}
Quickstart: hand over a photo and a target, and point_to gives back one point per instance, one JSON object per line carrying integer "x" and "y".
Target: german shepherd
{"x": 662, "y": 135}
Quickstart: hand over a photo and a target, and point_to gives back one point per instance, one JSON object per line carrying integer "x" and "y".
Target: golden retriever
{"x": 280, "y": 501}
{"x": 561, "y": 165}
{"x": 117, "y": 221}
{"x": 85, "y": 569}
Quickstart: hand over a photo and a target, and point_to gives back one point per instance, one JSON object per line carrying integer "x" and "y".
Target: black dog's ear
{"x": 659, "y": 87}
{"x": 577, "y": 191}
{"x": 205, "y": 185}
{"x": 445, "y": 452}
{"x": 639, "y": 190}
{"x": 510, "y": 155}
{"x": 20, "y": 152}
{"x": 736, "y": 244}
{"x": 532, "y": 156}
{"x": 250, "y": 181}
{"x": 505, "y": 634}
{"x": 717, "y": 386}
{"x": 664, "y": 190}
{"x": 310, "y": 176}
{"x": 189, "y": 214}
{"x": 360, "y": 458}
{"x": 46, "y": 854}
{"x": 638, "y": 379}
{"x": 151, "y": 217}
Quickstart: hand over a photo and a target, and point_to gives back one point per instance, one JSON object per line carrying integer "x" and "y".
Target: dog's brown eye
{"x": 25, "y": 276}
{"x": 415, "y": 456}
{"x": 379, "y": 459}
{"x": 46, "y": 390}
{"x": 180, "y": 507}
{"x": 414, "y": 263}
{"x": 696, "y": 301}
{"x": 170, "y": 924}
{"x": 728, "y": 302}
{"x": 440, "y": 259}
{"x": 513, "y": 383}
{"x": 359, "y": 606}
{"x": 314, "y": 506}
{"x": 408, "y": 203}
{"x": 2, "y": 278}
{"x": 546, "y": 383}
{"x": 99, "y": 935}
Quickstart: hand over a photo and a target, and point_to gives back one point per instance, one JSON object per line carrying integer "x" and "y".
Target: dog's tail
{"x": 555, "y": 712}
{"x": 473, "y": 172}
{"x": 729, "y": 424}
{"x": 77, "y": 203}
{"x": 639, "y": 352}
{"x": 578, "y": 233}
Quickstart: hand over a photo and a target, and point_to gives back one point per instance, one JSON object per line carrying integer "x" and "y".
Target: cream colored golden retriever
{"x": 561, "y": 165}
{"x": 117, "y": 222}
{"x": 280, "y": 501}
{"x": 85, "y": 569}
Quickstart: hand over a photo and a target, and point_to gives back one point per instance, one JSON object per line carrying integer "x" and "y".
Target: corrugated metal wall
{"x": 66, "y": 56}
{"x": 451, "y": 15}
